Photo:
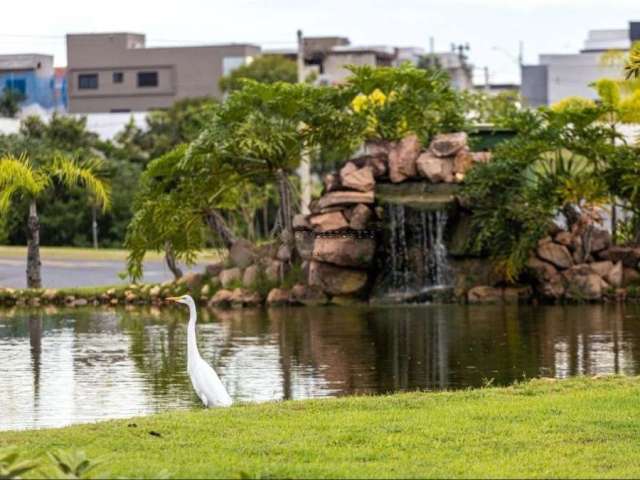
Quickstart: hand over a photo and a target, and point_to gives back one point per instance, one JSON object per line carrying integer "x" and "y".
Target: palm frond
{"x": 17, "y": 175}
{"x": 86, "y": 174}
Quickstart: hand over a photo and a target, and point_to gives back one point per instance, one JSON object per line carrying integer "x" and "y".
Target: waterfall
{"x": 417, "y": 249}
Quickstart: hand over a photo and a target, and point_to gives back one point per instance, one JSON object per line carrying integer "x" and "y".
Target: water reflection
{"x": 77, "y": 365}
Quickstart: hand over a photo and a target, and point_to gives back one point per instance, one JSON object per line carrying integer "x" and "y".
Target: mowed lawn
{"x": 90, "y": 254}
{"x": 543, "y": 428}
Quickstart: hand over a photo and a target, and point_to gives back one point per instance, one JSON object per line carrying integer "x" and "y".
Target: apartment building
{"x": 117, "y": 72}
{"x": 33, "y": 76}
{"x": 557, "y": 76}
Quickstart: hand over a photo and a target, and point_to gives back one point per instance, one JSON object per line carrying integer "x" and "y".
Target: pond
{"x": 64, "y": 366}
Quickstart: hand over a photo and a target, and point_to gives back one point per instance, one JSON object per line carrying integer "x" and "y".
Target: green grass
{"x": 574, "y": 428}
{"x": 74, "y": 253}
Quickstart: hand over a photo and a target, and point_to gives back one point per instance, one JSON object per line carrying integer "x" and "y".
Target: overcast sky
{"x": 493, "y": 28}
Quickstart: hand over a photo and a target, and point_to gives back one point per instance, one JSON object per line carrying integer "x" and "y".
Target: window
{"x": 147, "y": 79}
{"x": 118, "y": 77}
{"x": 17, "y": 84}
{"x": 88, "y": 81}
{"x": 120, "y": 110}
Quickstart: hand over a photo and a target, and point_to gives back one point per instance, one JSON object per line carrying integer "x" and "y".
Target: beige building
{"x": 116, "y": 72}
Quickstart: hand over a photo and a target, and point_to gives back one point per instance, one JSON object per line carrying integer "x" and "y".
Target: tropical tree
{"x": 555, "y": 165}
{"x": 264, "y": 69}
{"x": 632, "y": 66}
{"x": 20, "y": 178}
{"x": 10, "y": 101}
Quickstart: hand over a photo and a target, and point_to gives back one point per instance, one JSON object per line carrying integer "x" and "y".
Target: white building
{"x": 558, "y": 76}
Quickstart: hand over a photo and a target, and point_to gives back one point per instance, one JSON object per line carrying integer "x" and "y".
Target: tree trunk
{"x": 219, "y": 227}
{"x": 34, "y": 277}
{"x": 614, "y": 222}
{"x": 94, "y": 225}
{"x": 286, "y": 209}
{"x": 170, "y": 258}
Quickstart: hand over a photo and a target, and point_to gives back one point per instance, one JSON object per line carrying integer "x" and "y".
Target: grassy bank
{"x": 574, "y": 428}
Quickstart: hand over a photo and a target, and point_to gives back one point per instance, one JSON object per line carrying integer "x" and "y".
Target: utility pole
{"x": 486, "y": 80}
{"x": 304, "y": 171}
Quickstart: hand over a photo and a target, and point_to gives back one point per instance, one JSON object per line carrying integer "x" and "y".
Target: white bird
{"x": 204, "y": 379}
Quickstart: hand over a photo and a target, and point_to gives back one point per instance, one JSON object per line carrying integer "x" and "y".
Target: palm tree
{"x": 633, "y": 62}
{"x": 19, "y": 178}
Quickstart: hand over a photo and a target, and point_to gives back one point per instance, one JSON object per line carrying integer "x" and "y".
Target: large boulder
{"x": 242, "y": 253}
{"x": 582, "y": 284}
{"x": 229, "y": 276}
{"x": 191, "y": 279}
{"x": 301, "y": 222}
{"x": 327, "y": 222}
{"x": 344, "y": 198}
{"x": 553, "y": 287}
{"x": 462, "y": 162}
{"x": 377, "y": 147}
{"x": 436, "y": 169}
{"x": 336, "y": 280}
{"x": 214, "y": 269}
{"x": 629, "y": 256}
{"x": 345, "y": 251}
{"x": 331, "y": 182}
{"x": 600, "y": 240}
{"x": 402, "y": 159}
{"x": 377, "y": 163}
{"x": 278, "y": 296}
{"x": 615, "y": 276}
{"x": 541, "y": 270}
{"x": 630, "y": 276}
{"x": 307, "y": 295}
{"x": 355, "y": 178}
{"x": 274, "y": 271}
{"x": 360, "y": 216}
{"x": 556, "y": 254}
{"x": 602, "y": 268}
{"x": 564, "y": 238}
{"x": 222, "y": 298}
{"x": 250, "y": 275}
{"x": 241, "y": 297}
{"x": 284, "y": 253}
{"x": 448, "y": 144}
{"x": 304, "y": 243}
{"x": 485, "y": 294}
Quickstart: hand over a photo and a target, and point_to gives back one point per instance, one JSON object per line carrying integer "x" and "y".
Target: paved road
{"x": 77, "y": 273}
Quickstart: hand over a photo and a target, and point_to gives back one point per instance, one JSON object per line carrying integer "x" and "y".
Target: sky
{"x": 492, "y": 28}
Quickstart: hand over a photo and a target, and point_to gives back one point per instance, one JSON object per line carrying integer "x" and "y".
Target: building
{"x": 558, "y": 76}
{"x": 117, "y": 72}
{"x": 33, "y": 76}
{"x": 328, "y": 57}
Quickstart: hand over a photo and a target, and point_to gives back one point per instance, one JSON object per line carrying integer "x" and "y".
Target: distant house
{"x": 117, "y": 72}
{"x": 33, "y": 76}
{"x": 557, "y": 76}
{"x": 328, "y": 57}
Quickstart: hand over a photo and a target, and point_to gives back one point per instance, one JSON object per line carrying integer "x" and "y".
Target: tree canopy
{"x": 264, "y": 69}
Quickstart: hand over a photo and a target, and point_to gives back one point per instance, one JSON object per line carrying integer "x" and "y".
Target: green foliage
{"x": 632, "y": 67}
{"x": 573, "y": 104}
{"x": 391, "y": 102}
{"x": 264, "y": 69}
{"x": 73, "y": 464}
{"x": 497, "y": 109}
{"x": 555, "y": 160}
{"x": 10, "y": 100}
{"x": 12, "y": 467}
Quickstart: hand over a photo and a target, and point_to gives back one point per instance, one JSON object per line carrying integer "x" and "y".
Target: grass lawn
{"x": 74, "y": 253}
{"x": 543, "y": 428}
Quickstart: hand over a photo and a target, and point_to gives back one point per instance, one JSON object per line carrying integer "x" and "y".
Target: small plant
{"x": 74, "y": 464}
{"x": 11, "y": 467}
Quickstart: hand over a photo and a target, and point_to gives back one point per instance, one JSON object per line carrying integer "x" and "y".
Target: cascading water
{"x": 416, "y": 244}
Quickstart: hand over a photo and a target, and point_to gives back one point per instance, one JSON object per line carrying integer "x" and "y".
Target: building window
{"x": 120, "y": 110}
{"x": 88, "y": 81}
{"x": 147, "y": 79}
{"x": 118, "y": 77}
{"x": 16, "y": 84}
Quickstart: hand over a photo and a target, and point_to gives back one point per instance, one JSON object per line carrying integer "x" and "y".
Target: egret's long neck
{"x": 192, "y": 344}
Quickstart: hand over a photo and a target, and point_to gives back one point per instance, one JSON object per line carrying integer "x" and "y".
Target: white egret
{"x": 204, "y": 379}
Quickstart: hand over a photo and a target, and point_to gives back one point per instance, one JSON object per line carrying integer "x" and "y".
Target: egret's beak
{"x": 172, "y": 299}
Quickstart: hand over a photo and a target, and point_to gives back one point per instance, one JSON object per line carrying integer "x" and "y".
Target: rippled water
{"x": 63, "y": 366}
